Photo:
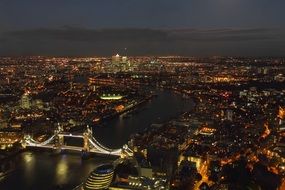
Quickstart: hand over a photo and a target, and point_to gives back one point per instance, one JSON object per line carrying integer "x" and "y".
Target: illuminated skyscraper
{"x": 229, "y": 115}
{"x": 116, "y": 59}
{"x": 281, "y": 115}
{"x": 124, "y": 59}
{"x": 25, "y": 101}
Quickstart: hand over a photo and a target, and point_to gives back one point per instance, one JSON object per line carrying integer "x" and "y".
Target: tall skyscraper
{"x": 25, "y": 101}
{"x": 116, "y": 59}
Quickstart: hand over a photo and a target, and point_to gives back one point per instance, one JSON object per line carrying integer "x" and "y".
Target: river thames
{"x": 48, "y": 171}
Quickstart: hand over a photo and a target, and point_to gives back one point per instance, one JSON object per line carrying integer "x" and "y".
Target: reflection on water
{"x": 62, "y": 170}
{"x": 29, "y": 166}
{"x": 29, "y": 159}
{"x": 45, "y": 170}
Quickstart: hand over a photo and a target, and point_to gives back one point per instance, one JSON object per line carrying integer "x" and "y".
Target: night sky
{"x": 144, "y": 27}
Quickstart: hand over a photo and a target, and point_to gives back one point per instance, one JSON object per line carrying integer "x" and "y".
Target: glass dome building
{"x": 100, "y": 178}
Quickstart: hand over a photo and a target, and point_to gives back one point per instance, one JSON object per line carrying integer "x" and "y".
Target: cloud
{"x": 221, "y": 35}
{"x": 140, "y": 41}
{"x": 88, "y": 35}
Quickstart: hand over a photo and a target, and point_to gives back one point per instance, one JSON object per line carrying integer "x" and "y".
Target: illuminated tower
{"x": 59, "y": 139}
{"x": 116, "y": 59}
{"x": 281, "y": 115}
{"x": 229, "y": 115}
{"x": 25, "y": 101}
{"x": 86, "y": 135}
{"x": 124, "y": 59}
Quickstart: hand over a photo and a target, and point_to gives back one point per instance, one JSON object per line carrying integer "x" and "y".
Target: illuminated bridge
{"x": 90, "y": 144}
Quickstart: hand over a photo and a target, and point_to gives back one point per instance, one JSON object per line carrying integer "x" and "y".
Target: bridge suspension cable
{"x": 94, "y": 145}
{"x": 105, "y": 150}
{"x": 102, "y": 146}
{"x": 32, "y": 142}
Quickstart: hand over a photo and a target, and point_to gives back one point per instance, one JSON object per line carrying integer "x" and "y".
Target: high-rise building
{"x": 229, "y": 115}
{"x": 100, "y": 178}
{"x": 124, "y": 59}
{"x": 163, "y": 161}
{"x": 116, "y": 59}
{"x": 25, "y": 101}
{"x": 281, "y": 115}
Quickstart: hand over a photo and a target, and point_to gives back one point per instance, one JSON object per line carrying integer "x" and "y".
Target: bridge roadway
{"x": 72, "y": 148}
{"x": 76, "y": 135}
{"x": 90, "y": 144}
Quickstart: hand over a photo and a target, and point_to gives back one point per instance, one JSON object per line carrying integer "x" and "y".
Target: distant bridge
{"x": 90, "y": 144}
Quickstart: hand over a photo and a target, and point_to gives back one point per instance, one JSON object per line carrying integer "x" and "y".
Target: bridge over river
{"x": 90, "y": 144}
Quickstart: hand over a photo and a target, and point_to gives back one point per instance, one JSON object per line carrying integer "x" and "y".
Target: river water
{"x": 43, "y": 170}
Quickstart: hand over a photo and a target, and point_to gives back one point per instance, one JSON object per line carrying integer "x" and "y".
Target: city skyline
{"x": 188, "y": 28}
{"x": 142, "y": 94}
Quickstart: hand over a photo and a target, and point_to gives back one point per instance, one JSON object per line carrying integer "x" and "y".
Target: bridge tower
{"x": 86, "y": 136}
{"x": 126, "y": 152}
{"x": 24, "y": 141}
{"x": 59, "y": 139}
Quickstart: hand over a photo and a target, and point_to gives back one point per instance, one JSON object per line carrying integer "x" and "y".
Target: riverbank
{"x": 128, "y": 109}
{"x": 42, "y": 170}
{"x": 6, "y": 173}
{"x": 131, "y": 107}
{"x": 6, "y": 166}
{"x": 9, "y": 154}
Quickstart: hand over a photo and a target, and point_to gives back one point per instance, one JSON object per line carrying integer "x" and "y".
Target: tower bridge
{"x": 90, "y": 144}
